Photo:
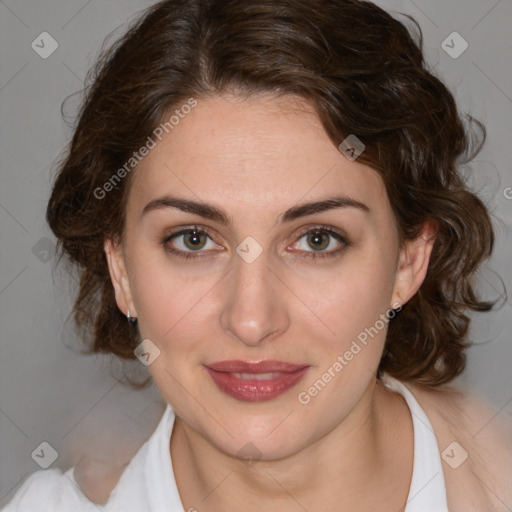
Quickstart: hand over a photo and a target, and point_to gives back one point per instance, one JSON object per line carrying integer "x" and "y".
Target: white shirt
{"x": 148, "y": 485}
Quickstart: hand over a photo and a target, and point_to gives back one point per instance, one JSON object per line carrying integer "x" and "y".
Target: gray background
{"x": 48, "y": 390}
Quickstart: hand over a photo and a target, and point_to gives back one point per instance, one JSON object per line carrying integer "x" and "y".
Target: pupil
{"x": 316, "y": 238}
{"x": 194, "y": 238}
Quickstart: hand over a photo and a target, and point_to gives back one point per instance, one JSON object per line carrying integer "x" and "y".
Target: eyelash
{"x": 187, "y": 255}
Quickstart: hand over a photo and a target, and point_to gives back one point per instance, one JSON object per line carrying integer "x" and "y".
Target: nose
{"x": 254, "y": 302}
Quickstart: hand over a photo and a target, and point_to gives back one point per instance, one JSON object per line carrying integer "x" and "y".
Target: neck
{"x": 359, "y": 463}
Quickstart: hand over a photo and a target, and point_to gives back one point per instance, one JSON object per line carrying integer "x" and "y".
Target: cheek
{"x": 352, "y": 297}
{"x": 353, "y": 304}
{"x": 172, "y": 315}
{"x": 171, "y": 304}
{"x": 165, "y": 303}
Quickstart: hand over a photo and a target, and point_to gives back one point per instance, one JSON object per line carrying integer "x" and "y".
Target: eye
{"x": 188, "y": 241}
{"x": 192, "y": 242}
{"x": 321, "y": 238}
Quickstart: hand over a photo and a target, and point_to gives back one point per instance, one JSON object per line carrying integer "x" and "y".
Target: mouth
{"x": 255, "y": 381}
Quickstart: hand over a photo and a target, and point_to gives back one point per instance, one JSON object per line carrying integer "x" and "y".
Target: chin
{"x": 264, "y": 437}
{"x": 250, "y": 450}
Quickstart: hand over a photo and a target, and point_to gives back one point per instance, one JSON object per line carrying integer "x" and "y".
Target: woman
{"x": 263, "y": 201}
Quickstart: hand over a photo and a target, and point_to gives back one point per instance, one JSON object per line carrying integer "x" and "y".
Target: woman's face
{"x": 310, "y": 288}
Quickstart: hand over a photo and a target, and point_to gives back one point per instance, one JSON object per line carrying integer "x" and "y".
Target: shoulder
{"x": 81, "y": 488}
{"x": 475, "y": 442}
{"x": 48, "y": 490}
{"x": 118, "y": 482}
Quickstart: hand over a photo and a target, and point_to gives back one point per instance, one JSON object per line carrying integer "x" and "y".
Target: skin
{"x": 254, "y": 159}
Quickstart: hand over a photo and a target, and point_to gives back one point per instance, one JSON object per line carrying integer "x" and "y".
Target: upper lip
{"x": 237, "y": 366}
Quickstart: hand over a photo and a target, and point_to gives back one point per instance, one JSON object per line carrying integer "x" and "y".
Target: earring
{"x": 131, "y": 319}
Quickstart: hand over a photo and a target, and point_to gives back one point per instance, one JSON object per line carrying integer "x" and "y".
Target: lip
{"x": 225, "y": 375}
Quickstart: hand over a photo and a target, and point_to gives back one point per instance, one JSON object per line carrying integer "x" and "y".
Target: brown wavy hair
{"x": 364, "y": 73}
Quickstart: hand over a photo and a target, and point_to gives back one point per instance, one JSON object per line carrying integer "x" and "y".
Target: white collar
{"x": 427, "y": 492}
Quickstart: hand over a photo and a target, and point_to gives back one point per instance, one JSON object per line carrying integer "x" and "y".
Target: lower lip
{"x": 253, "y": 390}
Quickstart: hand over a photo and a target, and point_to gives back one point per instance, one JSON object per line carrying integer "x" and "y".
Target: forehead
{"x": 264, "y": 152}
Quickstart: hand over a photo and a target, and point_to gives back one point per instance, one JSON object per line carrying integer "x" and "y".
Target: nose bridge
{"x": 252, "y": 307}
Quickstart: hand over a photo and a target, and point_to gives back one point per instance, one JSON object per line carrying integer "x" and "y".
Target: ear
{"x": 413, "y": 264}
{"x": 119, "y": 277}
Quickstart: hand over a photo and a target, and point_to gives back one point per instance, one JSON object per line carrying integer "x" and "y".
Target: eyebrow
{"x": 216, "y": 214}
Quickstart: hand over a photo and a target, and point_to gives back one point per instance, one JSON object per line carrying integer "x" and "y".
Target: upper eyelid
{"x": 320, "y": 227}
